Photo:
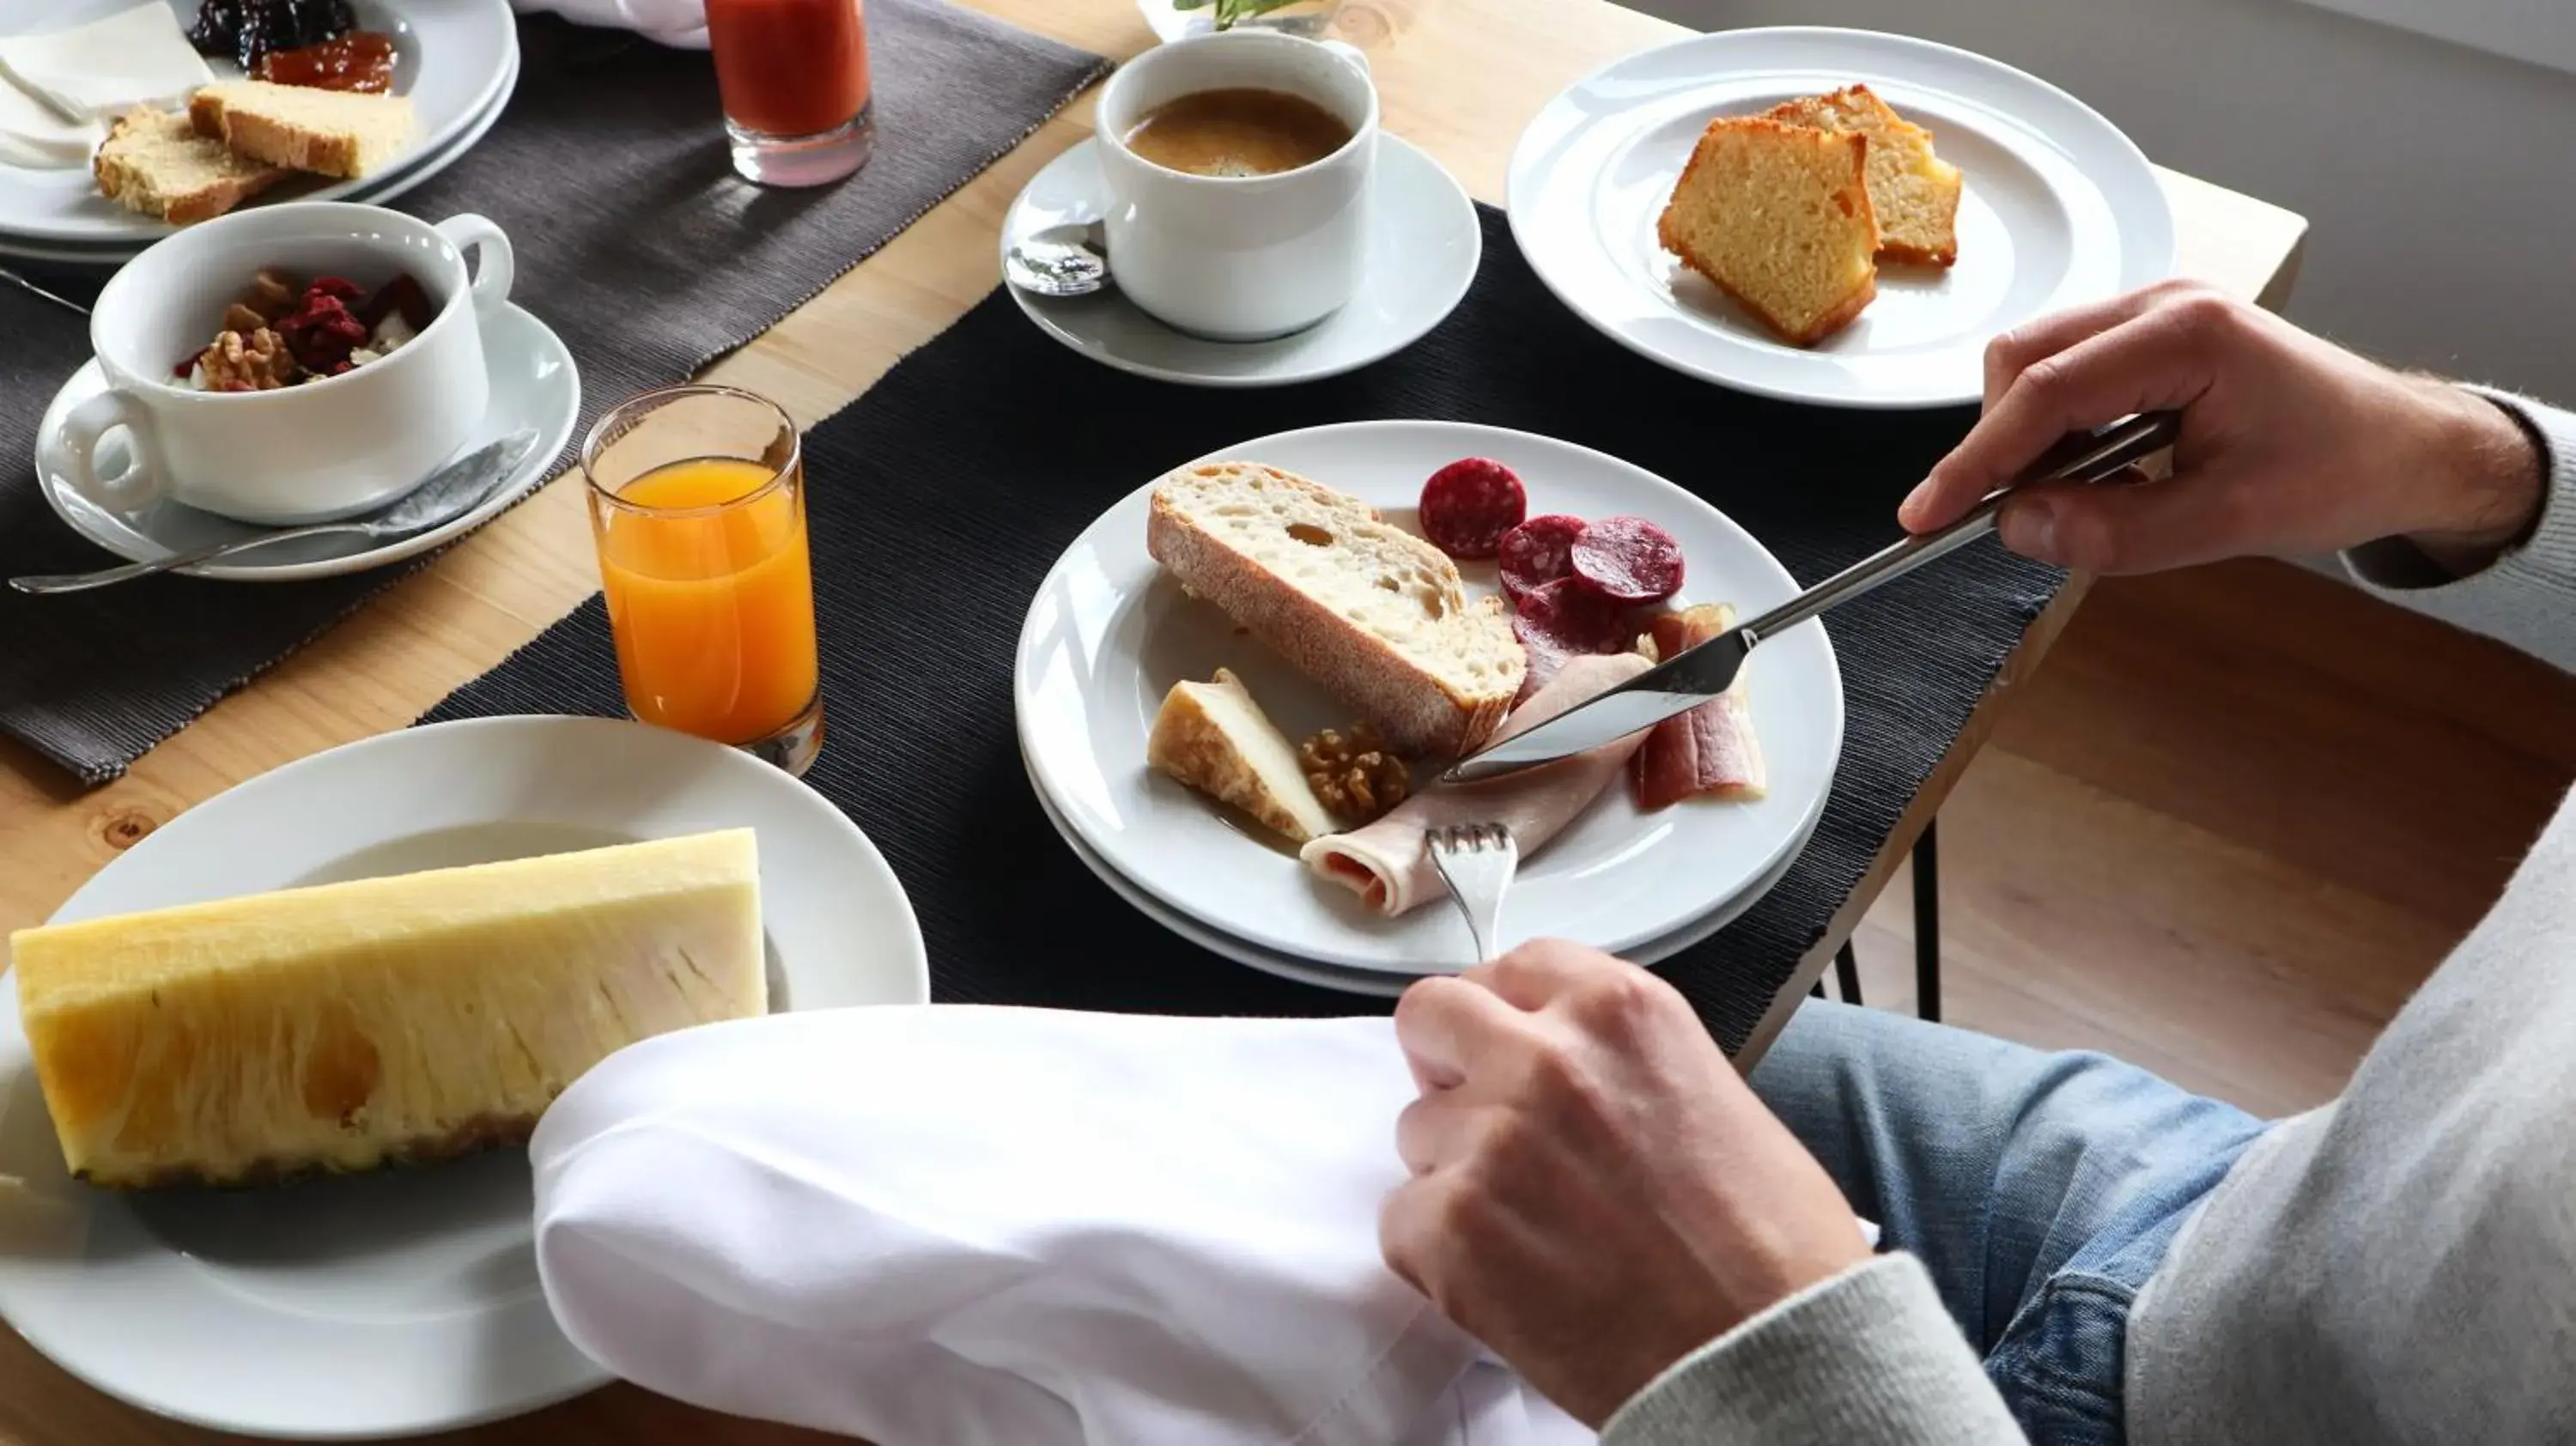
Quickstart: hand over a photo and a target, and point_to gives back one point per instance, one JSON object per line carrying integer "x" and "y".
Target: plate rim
{"x": 1450, "y": 188}
{"x": 904, "y": 926}
{"x": 142, "y": 232}
{"x": 1839, "y": 713}
{"x": 1517, "y": 179}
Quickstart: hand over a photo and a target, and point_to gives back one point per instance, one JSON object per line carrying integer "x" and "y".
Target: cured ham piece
{"x": 1710, "y": 749}
{"x": 1387, "y": 863}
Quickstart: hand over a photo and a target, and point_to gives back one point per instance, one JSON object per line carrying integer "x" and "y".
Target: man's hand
{"x": 2290, "y": 444}
{"x": 1595, "y": 1192}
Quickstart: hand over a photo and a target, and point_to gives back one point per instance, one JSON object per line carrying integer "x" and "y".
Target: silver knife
{"x": 1704, "y": 672}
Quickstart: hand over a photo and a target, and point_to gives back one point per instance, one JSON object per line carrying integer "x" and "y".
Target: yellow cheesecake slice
{"x": 414, "y": 1017}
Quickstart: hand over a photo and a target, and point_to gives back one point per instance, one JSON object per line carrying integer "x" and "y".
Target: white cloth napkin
{"x": 952, "y": 1226}
{"x": 678, "y": 23}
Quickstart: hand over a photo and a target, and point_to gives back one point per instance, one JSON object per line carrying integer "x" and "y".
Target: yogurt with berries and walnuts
{"x": 283, "y": 332}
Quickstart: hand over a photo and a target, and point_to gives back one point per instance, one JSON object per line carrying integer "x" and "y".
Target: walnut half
{"x": 258, "y": 362}
{"x": 1353, "y": 775}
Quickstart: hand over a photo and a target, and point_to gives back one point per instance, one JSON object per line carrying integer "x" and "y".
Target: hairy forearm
{"x": 2486, "y": 482}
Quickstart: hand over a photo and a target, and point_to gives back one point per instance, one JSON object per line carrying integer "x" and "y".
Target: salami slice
{"x": 1628, "y": 558}
{"x": 1468, "y": 505}
{"x": 1538, "y": 552}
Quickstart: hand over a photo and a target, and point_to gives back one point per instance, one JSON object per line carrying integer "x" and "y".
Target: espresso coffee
{"x": 1238, "y": 132}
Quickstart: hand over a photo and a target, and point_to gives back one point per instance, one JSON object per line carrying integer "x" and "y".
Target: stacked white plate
{"x": 458, "y": 61}
{"x": 1109, "y": 634}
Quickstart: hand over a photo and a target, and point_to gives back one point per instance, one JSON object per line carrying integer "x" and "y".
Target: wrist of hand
{"x": 2485, "y": 483}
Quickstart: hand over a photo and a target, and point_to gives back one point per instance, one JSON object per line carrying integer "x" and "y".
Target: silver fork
{"x": 1476, "y": 861}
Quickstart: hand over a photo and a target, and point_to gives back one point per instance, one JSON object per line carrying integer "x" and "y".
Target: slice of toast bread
{"x": 153, "y": 161}
{"x": 1778, "y": 217}
{"x": 332, "y": 133}
{"x": 1376, "y": 615}
{"x": 1913, "y": 190}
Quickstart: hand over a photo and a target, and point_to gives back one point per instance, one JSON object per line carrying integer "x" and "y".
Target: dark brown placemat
{"x": 636, "y": 242}
{"x": 941, "y": 499}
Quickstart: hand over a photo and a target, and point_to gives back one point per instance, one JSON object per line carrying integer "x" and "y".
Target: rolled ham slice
{"x": 1387, "y": 862}
{"x": 1710, "y": 749}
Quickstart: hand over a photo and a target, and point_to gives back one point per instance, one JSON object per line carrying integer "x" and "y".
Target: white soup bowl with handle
{"x": 311, "y": 452}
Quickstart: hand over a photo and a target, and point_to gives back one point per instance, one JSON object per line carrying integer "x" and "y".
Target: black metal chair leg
{"x": 1846, "y": 974}
{"x": 1927, "y": 922}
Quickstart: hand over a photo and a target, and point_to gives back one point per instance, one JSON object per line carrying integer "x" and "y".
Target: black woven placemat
{"x": 943, "y": 496}
{"x": 635, "y": 242}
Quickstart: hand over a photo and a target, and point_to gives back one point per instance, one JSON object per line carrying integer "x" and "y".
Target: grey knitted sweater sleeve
{"x": 1869, "y": 1355}
{"x": 2525, "y": 597}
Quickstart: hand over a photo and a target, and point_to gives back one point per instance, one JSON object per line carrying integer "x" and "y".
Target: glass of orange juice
{"x": 697, "y": 502}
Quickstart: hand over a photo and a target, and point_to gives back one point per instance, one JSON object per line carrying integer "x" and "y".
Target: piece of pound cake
{"x": 1914, "y": 192}
{"x": 1375, "y": 614}
{"x": 155, "y": 162}
{"x": 333, "y": 133}
{"x": 1778, "y": 217}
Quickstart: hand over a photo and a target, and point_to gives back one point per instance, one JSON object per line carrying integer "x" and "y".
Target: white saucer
{"x": 1376, "y": 983}
{"x": 1423, "y": 246}
{"x": 374, "y": 190}
{"x": 1109, "y": 633}
{"x": 534, "y": 384}
{"x": 401, "y": 1301}
{"x": 455, "y": 59}
{"x": 2060, "y": 209}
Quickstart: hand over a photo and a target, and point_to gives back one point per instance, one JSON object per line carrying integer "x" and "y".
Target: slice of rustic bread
{"x": 153, "y": 161}
{"x": 1778, "y": 216}
{"x": 1378, "y": 616}
{"x": 334, "y": 133}
{"x": 1913, "y": 190}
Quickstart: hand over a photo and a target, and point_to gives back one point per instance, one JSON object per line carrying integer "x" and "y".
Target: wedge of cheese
{"x": 344, "y": 1025}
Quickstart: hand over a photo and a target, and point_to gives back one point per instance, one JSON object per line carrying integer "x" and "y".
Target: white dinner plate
{"x": 1379, "y": 983}
{"x": 1423, "y": 247}
{"x": 379, "y": 189}
{"x": 403, "y": 1300}
{"x": 1109, "y": 633}
{"x": 455, "y": 59}
{"x": 534, "y": 385}
{"x": 2060, "y": 209}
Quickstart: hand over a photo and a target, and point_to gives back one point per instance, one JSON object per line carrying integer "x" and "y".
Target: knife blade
{"x": 1682, "y": 683}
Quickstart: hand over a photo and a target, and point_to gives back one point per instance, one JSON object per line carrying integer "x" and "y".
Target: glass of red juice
{"x": 794, "y": 78}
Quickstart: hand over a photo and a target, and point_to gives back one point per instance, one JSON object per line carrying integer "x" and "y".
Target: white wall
{"x": 2439, "y": 180}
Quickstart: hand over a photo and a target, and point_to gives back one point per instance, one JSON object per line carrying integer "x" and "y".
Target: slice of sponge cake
{"x": 335, "y": 133}
{"x": 153, "y": 161}
{"x": 1913, "y": 190}
{"x": 1778, "y": 216}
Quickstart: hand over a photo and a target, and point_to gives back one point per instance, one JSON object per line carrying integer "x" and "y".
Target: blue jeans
{"x": 2040, "y": 1189}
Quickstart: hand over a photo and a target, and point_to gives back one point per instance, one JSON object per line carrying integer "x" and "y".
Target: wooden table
{"x": 1459, "y": 77}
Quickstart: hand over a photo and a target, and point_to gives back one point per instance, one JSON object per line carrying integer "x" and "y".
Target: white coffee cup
{"x": 1239, "y": 258}
{"x": 308, "y": 453}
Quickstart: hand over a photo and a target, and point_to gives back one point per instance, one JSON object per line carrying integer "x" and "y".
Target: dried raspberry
{"x": 339, "y": 287}
{"x": 321, "y": 333}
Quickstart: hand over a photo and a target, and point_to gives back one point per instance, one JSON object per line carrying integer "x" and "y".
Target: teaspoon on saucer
{"x": 1060, "y": 261}
{"x": 449, "y": 493}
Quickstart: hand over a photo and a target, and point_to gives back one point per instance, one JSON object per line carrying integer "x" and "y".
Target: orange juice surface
{"x": 714, "y": 612}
